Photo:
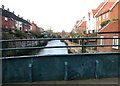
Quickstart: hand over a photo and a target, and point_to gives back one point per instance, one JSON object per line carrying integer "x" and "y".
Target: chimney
{"x": 83, "y": 17}
{"x": 32, "y": 21}
{"x": 29, "y": 21}
{"x": 3, "y": 6}
{"x": 18, "y": 15}
{"x": 8, "y": 9}
{"x": 13, "y": 12}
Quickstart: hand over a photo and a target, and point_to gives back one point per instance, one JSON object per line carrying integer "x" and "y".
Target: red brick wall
{"x": 34, "y": 27}
{"x": 107, "y": 41}
{"x": 25, "y": 27}
{"x": 4, "y": 22}
{"x": 114, "y": 12}
{"x": 11, "y": 24}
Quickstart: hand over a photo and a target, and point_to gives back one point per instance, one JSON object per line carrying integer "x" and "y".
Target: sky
{"x": 58, "y": 15}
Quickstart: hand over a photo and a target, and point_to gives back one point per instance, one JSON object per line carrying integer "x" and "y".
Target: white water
{"x": 54, "y": 51}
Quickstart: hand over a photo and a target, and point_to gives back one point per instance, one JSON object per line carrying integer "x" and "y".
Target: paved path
{"x": 88, "y": 82}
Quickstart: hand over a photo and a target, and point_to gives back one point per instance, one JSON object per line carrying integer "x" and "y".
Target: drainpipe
{"x": 66, "y": 71}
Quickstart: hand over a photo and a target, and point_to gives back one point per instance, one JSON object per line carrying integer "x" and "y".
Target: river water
{"x": 54, "y": 51}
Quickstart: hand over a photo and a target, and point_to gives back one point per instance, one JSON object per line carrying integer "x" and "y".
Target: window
{"x": 6, "y": 19}
{"x": 101, "y": 40}
{"x": 96, "y": 19}
{"x": 115, "y": 42}
{"x": 103, "y": 16}
{"x": 106, "y": 15}
{"x": 100, "y": 18}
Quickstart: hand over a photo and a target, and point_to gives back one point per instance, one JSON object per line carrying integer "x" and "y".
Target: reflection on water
{"x": 54, "y": 51}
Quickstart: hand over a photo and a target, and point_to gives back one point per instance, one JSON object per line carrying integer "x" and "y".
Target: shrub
{"x": 20, "y": 34}
{"x": 104, "y": 23}
{"x": 115, "y": 19}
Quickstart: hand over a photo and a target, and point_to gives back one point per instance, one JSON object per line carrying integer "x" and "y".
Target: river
{"x": 54, "y": 51}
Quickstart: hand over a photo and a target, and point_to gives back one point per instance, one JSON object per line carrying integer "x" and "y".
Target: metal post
{"x": 82, "y": 45}
{"x": 66, "y": 71}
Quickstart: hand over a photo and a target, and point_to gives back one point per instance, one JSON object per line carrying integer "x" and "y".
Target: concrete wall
{"x": 59, "y": 67}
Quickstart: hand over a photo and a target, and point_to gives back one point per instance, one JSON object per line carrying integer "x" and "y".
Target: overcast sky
{"x": 57, "y": 14}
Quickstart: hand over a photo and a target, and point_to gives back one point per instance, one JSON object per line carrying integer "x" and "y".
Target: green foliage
{"x": 37, "y": 34}
{"x": 19, "y": 33}
{"x": 115, "y": 19}
{"x": 104, "y": 23}
{"x": 93, "y": 35}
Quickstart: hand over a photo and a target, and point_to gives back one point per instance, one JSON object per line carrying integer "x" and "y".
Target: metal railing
{"x": 31, "y": 46}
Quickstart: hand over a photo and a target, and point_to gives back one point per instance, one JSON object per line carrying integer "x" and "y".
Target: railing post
{"x": 82, "y": 45}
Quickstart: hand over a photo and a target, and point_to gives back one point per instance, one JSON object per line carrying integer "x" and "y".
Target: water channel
{"x": 54, "y": 51}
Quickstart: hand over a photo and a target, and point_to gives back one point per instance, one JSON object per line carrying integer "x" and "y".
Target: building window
{"x": 115, "y": 42}
{"x": 99, "y": 18}
{"x": 103, "y": 16}
{"x": 101, "y": 40}
{"x": 106, "y": 15}
{"x": 6, "y": 19}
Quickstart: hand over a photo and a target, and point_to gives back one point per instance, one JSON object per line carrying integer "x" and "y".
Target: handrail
{"x": 82, "y": 45}
{"x": 28, "y": 48}
{"x": 43, "y": 39}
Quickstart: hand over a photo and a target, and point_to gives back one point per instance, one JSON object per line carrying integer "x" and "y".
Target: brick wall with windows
{"x": 107, "y": 41}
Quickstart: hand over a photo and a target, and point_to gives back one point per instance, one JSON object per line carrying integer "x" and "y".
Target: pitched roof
{"x": 12, "y": 15}
{"x": 100, "y": 7}
{"x": 94, "y": 11}
{"x": 82, "y": 24}
{"x": 111, "y": 27}
{"x": 106, "y": 7}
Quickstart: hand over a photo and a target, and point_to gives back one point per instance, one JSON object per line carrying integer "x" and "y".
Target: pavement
{"x": 88, "y": 82}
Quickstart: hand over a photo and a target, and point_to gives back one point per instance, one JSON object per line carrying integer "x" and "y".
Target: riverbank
{"x": 20, "y": 44}
{"x": 73, "y": 49}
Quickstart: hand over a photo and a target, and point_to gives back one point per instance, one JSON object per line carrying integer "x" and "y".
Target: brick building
{"x": 112, "y": 28}
{"x": 80, "y": 27}
{"x": 11, "y": 22}
{"x": 106, "y": 12}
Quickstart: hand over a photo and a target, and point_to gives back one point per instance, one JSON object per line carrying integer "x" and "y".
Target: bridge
{"x": 33, "y": 68}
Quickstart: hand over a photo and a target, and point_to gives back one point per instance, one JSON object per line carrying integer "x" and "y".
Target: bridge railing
{"x": 30, "y": 44}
